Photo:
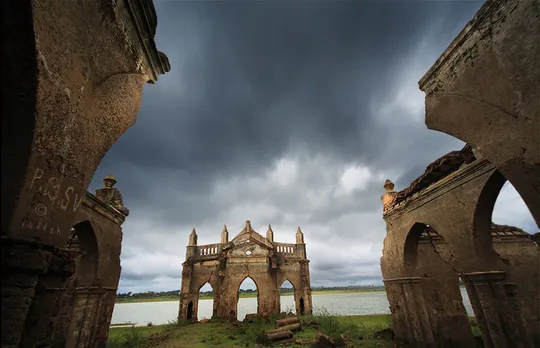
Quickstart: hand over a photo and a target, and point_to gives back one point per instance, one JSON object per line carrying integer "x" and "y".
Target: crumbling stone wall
{"x": 485, "y": 90}
{"x": 87, "y": 303}
{"x": 436, "y": 235}
{"x": 227, "y": 264}
{"x": 74, "y": 84}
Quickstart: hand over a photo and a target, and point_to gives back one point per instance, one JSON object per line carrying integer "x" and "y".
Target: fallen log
{"x": 287, "y": 321}
{"x": 292, "y": 327}
{"x": 278, "y": 336}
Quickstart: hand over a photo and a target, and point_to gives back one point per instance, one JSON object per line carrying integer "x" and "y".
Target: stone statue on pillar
{"x": 112, "y": 196}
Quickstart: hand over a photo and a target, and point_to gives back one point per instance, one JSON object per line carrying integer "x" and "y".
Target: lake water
{"x": 359, "y": 303}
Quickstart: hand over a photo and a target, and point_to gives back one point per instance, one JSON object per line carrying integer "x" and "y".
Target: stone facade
{"x": 225, "y": 265}
{"x": 484, "y": 90}
{"x": 74, "y": 84}
{"x": 435, "y": 236}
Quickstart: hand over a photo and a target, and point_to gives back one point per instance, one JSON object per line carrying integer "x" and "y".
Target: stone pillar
{"x": 396, "y": 300}
{"x": 417, "y": 319}
{"x": 493, "y": 311}
{"x": 49, "y": 291}
{"x": 186, "y": 296}
{"x": 22, "y": 265}
{"x": 305, "y": 291}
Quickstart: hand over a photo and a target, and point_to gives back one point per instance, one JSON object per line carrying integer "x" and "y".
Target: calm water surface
{"x": 359, "y": 303}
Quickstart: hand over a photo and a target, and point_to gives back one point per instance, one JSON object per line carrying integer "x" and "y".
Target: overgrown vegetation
{"x": 359, "y": 331}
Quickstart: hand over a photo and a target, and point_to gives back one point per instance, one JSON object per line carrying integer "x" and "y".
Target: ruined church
{"x": 225, "y": 265}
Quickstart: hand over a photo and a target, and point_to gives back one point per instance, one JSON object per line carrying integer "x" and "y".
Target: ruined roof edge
{"x": 483, "y": 12}
{"x": 144, "y": 18}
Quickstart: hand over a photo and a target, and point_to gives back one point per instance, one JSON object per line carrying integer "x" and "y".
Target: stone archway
{"x": 445, "y": 199}
{"x": 249, "y": 308}
{"x": 225, "y": 265}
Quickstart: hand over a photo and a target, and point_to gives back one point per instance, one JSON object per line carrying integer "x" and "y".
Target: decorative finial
{"x": 389, "y": 186}
{"x": 389, "y": 197}
{"x": 299, "y": 236}
{"x": 270, "y": 234}
{"x": 224, "y": 235}
{"x": 193, "y": 237}
{"x": 109, "y": 181}
{"x": 248, "y": 225}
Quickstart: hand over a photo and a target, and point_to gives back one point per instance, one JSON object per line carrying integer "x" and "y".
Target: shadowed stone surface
{"x": 73, "y": 86}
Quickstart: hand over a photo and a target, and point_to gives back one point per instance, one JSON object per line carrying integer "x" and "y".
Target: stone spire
{"x": 389, "y": 198}
{"x": 270, "y": 234}
{"x": 111, "y": 195}
{"x": 193, "y": 237}
{"x": 248, "y": 226}
{"x": 224, "y": 235}
{"x": 299, "y": 236}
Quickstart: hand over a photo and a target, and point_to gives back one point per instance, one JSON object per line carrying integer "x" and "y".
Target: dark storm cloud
{"x": 323, "y": 86}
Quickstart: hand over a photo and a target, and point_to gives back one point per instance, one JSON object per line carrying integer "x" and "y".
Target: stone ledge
{"x": 438, "y": 189}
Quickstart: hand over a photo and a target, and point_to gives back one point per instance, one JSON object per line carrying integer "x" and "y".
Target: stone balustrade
{"x": 284, "y": 248}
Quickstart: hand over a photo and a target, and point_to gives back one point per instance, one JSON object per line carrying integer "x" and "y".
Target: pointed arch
{"x": 206, "y": 309}
{"x": 83, "y": 240}
{"x": 247, "y": 305}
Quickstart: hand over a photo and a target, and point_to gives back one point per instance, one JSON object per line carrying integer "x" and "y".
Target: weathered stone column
{"x": 494, "y": 314}
{"x": 418, "y": 330}
{"x": 22, "y": 265}
{"x": 186, "y": 295}
{"x": 305, "y": 293}
{"x": 43, "y": 313}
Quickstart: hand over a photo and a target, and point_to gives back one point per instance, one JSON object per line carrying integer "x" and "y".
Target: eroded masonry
{"x": 225, "y": 265}
{"x": 73, "y": 86}
{"x": 484, "y": 90}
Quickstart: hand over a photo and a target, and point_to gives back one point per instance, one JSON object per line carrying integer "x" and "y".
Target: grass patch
{"x": 359, "y": 329}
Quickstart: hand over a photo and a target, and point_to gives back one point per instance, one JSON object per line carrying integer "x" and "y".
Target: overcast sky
{"x": 290, "y": 113}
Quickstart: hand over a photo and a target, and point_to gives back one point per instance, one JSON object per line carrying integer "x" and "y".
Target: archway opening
{"x": 302, "y": 307}
{"x": 247, "y": 298}
{"x": 516, "y": 238}
{"x": 206, "y": 306}
{"x": 189, "y": 315}
{"x": 83, "y": 241}
{"x": 429, "y": 259}
{"x": 286, "y": 298}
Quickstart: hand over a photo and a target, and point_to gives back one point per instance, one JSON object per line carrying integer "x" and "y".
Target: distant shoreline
{"x": 245, "y": 295}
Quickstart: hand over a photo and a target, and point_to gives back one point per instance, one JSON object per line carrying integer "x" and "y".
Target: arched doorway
{"x": 286, "y": 298}
{"x": 189, "y": 315}
{"x": 429, "y": 264}
{"x": 511, "y": 220}
{"x": 206, "y": 305}
{"x": 247, "y": 298}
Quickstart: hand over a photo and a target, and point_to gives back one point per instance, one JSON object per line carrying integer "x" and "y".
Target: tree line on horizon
{"x": 176, "y": 293}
